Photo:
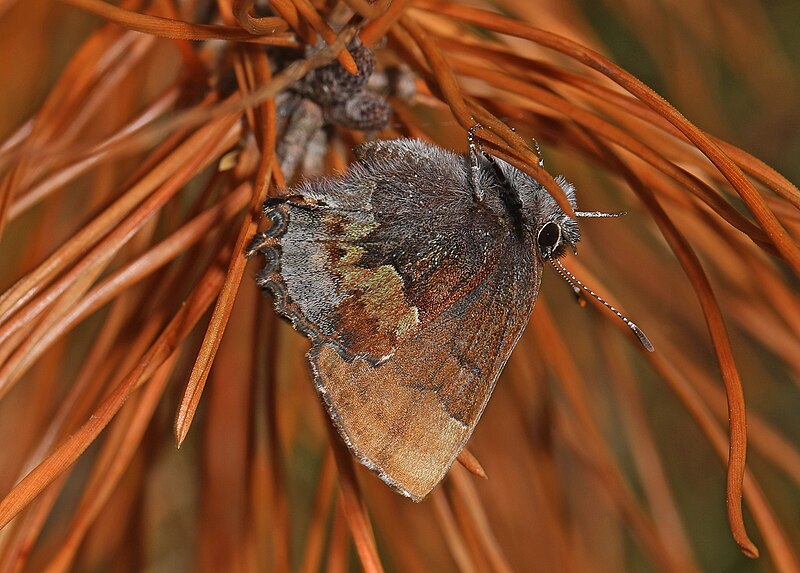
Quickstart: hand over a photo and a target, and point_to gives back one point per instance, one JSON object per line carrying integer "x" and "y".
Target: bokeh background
{"x": 125, "y": 189}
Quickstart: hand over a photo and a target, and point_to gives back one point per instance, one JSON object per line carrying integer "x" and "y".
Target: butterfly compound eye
{"x": 548, "y": 238}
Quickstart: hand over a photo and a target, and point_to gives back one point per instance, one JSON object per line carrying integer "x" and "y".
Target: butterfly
{"x": 414, "y": 274}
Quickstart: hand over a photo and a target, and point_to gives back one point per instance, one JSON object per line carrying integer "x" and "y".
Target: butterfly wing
{"x": 413, "y": 296}
{"x": 408, "y": 418}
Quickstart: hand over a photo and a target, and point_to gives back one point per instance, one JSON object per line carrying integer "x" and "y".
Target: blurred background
{"x": 129, "y": 186}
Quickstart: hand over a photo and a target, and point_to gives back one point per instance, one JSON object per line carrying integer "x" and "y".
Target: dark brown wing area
{"x": 408, "y": 418}
{"x": 366, "y": 259}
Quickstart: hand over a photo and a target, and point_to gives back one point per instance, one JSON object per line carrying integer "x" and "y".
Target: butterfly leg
{"x": 474, "y": 163}
{"x": 538, "y": 151}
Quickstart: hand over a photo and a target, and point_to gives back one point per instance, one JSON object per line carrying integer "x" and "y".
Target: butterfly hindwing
{"x": 409, "y": 417}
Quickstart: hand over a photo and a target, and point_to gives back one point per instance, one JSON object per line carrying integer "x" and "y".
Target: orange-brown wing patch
{"x": 408, "y": 418}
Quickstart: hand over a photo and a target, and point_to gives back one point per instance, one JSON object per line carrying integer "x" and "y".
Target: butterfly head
{"x": 555, "y": 230}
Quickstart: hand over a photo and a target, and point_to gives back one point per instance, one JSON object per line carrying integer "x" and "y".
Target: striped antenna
{"x": 577, "y": 286}
{"x": 598, "y": 214}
